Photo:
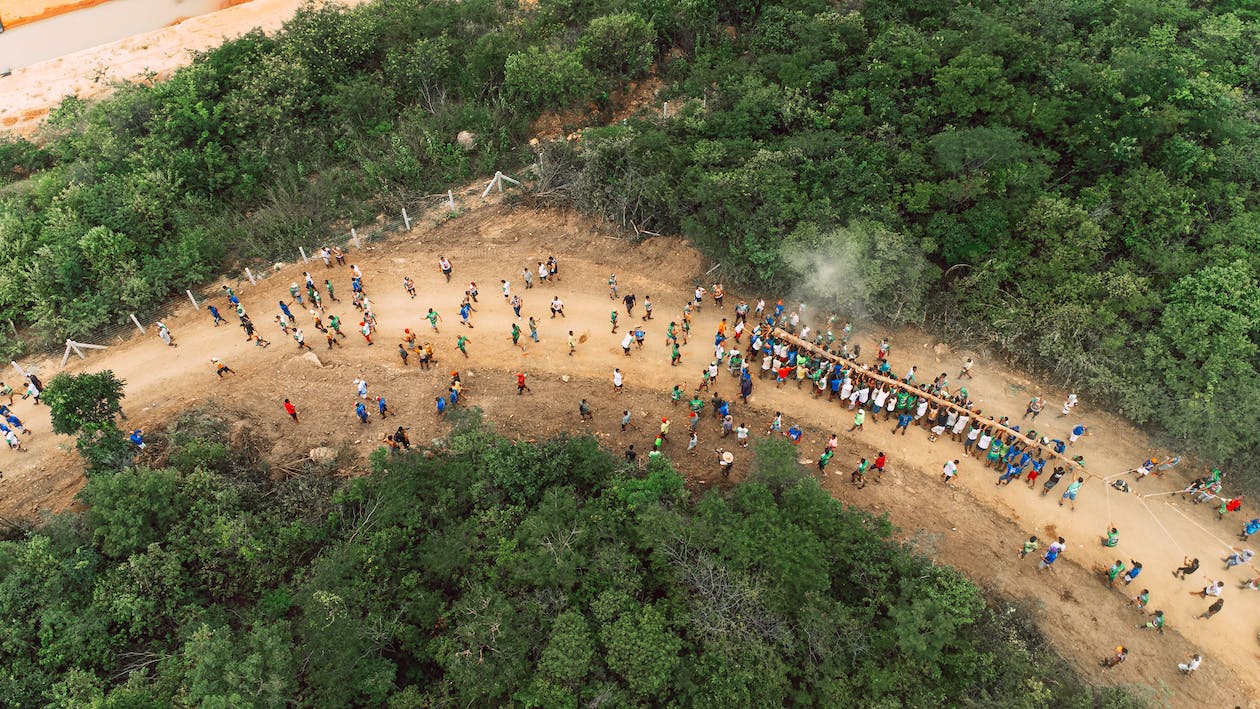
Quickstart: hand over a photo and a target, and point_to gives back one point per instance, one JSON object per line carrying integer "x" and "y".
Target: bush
{"x": 545, "y": 78}
{"x": 621, "y": 46}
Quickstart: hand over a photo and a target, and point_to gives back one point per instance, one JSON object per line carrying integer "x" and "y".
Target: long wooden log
{"x": 780, "y": 334}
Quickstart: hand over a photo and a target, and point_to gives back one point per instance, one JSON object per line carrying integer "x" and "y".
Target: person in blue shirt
{"x": 1077, "y": 431}
{"x": 217, "y": 318}
{"x": 441, "y": 405}
{"x": 137, "y": 438}
{"x": 1133, "y": 572}
{"x": 1013, "y": 471}
{"x": 284, "y": 308}
{"x": 464, "y": 311}
{"x": 361, "y": 411}
{"x": 382, "y": 407}
{"x": 794, "y": 434}
{"x": 903, "y": 423}
{"x": 16, "y": 423}
{"x": 1249, "y": 529}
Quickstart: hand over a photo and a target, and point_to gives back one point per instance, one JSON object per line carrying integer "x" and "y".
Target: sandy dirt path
{"x": 30, "y": 92}
{"x": 973, "y": 525}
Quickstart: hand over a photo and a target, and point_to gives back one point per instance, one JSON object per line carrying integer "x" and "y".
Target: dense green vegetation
{"x": 1071, "y": 181}
{"x": 493, "y": 573}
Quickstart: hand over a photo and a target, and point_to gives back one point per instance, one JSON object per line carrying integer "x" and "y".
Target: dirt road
{"x": 972, "y": 525}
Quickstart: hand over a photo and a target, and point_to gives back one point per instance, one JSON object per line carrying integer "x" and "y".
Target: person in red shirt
{"x": 521, "y": 388}
{"x": 291, "y": 410}
{"x": 879, "y": 465}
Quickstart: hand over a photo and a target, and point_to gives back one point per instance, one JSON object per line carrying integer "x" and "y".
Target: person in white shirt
{"x": 617, "y": 380}
{"x": 950, "y": 470}
{"x": 625, "y": 343}
{"x": 1191, "y": 664}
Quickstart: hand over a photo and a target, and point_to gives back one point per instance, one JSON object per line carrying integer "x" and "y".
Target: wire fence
{"x": 435, "y": 208}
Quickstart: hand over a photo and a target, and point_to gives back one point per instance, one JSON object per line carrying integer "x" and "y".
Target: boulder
{"x": 313, "y": 359}
{"x": 466, "y": 139}
{"x": 323, "y": 454}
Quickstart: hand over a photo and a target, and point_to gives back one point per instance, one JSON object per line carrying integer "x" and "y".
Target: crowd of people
{"x": 756, "y": 345}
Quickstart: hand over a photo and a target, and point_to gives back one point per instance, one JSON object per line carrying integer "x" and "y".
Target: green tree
{"x": 76, "y": 400}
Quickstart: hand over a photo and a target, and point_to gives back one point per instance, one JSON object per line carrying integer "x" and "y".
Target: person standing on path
{"x": 629, "y": 302}
{"x": 572, "y": 343}
{"x": 521, "y": 386}
{"x": 291, "y": 410}
{"x": 1035, "y": 407}
{"x": 465, "y": 310}
{"x": 516, "y": 335}
{"x": 625, "y": 421}
{"x": 533, "y": 330}
{"x": 1051, "y": 555}
{"x": 382, "y": 407}
{"x": 445, "y": 264}
{"x": 461, "y": 344}
{"x": 1213, "y": 609}
{"x": 950, "y": 470}
{"x": 626, "y": 342}
{"x": 647, "y": 308}
{"x": 1068, "y": 405}
{"x": 433, "y": 319}
{"x": 858, "y": 420}
{"x": 584, "y": 411}
{"x": 300, "y": 338}
{"x": 824, "y": 458}
{"x": 618, "y": 381}
{"x": 333, "y": 296}
{"x": 361, "y": 411}
{"x": 557, "y": 307}
{"x": 1071, "y": 491}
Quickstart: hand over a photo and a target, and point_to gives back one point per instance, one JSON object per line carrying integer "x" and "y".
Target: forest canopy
{"x": 1072, "y": 183}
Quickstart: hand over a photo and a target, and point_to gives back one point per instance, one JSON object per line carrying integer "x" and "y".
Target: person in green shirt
{"x": 1156, "y": 623}
{"x": 670, "y": 334}
{"x": 824, "y": 459}
{"x": 1029, "y": 547}
{"x": 328, "y": 284}
{"x": 1114, "y": 571}
{"x": 675, "y": 356}
{"x": 859, "y": 475}
{"x": 677, "y": 394}
{"x": 516, "y": 334}
{"x": 334, "y": 322}
{"x": 696, "y": 404}
{"x": 612, "y": 318}
{"x": 433, "y": 318}
{"x": 460, "y": 343}
{"x": 1141, "y": 600}
{"x": 1112, "y": 538}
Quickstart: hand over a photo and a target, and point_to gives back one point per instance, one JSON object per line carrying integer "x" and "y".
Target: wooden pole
{"x": 902, "y": 386}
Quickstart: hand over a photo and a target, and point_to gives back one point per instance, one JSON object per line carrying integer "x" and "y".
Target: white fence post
{"x": 303, "y": 252}
{"x": 138, "y": 325}
{"x": 194, "y": 300}
{"x": 250, "y": 273}
{"x": 666, "y": 110}
{"x": 406, "y": 219}
{"x": 355, "y": 235}
{"x": 18, "y": 367}
{"x": 450, "y": 200}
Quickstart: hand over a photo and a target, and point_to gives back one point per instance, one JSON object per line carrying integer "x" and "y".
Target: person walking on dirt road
{"x": 291, "y": 410}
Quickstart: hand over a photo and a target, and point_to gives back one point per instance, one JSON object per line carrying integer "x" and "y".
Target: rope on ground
{"x": 1227, "y": 546}
{"x": 1162, "y": 527}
